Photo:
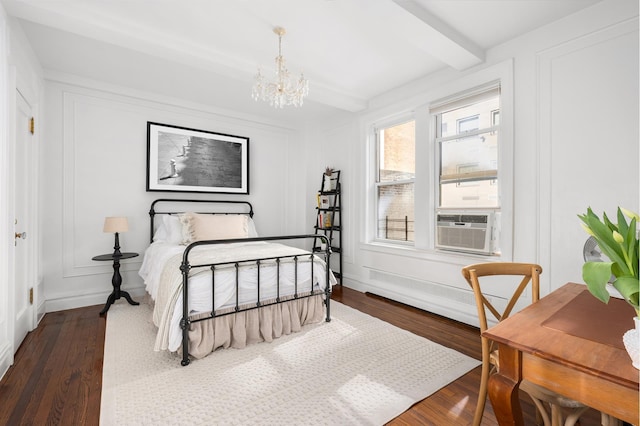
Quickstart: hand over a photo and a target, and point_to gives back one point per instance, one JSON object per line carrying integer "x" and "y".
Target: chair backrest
{"x": 529, "y": 273}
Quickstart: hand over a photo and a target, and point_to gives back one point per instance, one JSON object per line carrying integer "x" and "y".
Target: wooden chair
{"x": 553, "y": 409}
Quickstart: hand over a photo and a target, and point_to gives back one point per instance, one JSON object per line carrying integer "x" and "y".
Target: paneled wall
{"x": 94, "y": 165}
{"x": 575, "y": 144}
{"x": 588, "y": 138}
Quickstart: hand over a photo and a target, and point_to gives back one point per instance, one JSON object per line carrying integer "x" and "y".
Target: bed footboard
{"x": 314, "y": 260}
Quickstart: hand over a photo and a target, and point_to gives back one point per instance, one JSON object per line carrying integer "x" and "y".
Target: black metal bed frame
{"x": 185, "y": 267}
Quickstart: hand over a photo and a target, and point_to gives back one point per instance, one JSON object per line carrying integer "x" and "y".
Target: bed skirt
{"x": 264, "y": 324}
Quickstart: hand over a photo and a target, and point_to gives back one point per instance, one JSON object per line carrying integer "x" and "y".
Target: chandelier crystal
{"x": 284, "y": 89}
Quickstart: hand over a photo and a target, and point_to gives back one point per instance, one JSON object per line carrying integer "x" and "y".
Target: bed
{"x": 214, "y": 283}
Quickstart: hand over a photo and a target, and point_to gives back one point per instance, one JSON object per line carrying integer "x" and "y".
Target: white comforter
{"x": 163, "y": 280}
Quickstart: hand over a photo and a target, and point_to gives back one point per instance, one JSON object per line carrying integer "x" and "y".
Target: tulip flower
{"x": 619, "y": 242}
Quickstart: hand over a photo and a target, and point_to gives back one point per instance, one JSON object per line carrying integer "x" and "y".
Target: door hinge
{"x": 31, "y": 296}
{"x": 32, "y": 125}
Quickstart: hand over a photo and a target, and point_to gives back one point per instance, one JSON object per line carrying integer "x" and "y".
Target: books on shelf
{"x": 324, "y": 220}
{"x": 324, "y": 202}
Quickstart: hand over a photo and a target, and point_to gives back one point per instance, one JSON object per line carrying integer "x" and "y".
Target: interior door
{"x": 23, "y": 296}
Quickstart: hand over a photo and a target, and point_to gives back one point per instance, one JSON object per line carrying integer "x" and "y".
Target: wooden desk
{"x": 542, "y": 344}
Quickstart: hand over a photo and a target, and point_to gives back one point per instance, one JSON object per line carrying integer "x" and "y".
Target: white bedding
{"x": 163, "y": 280}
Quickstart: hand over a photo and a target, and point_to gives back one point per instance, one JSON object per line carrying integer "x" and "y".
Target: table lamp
{"x": 116, "y": 225}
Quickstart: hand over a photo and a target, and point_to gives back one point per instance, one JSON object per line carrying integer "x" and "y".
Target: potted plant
{"x": 327, "y": 183}
{"x": 619, "y": 242}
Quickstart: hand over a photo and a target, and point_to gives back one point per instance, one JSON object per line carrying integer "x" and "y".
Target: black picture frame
{"x": 180, "y": 159}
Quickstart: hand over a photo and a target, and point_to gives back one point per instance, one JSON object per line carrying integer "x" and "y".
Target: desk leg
{"x": 116, "y": 282}
{"x": 503, "y": 388}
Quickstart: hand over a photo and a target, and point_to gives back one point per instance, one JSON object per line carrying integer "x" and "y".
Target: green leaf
{"x": 608, "y": 223}
{"x": 604, "y": 236}
{"x": 623, "y": 228}
{"x": 629, "y": 288}
{"x": 632, "y": 246}
{"x": 597, "y": 275}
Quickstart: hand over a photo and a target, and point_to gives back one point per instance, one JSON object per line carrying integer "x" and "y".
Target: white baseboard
{"x": 449, "y": 307}
{"x": 40, "y": 312}
{"x": 73, "y": 302}
{"x": 6, "y": 359}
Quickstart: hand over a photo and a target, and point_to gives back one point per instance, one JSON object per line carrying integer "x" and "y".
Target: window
{"x": 466, "y": 131}
{"x": 447, "y": 150}
{"x": 468, "y": 124}
{"x": 395, "y": 181}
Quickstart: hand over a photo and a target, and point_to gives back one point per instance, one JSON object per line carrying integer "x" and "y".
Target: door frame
{"x": 23, "y": 180}
{"x": 19, "y": 70}
{"x": 6, "y": 345}
{"x": 18, "y": 87}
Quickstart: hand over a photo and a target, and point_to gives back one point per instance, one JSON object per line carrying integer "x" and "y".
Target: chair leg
{"x": 608, "y": 420}
{"x": 482, "y": 394}
{"x": 573, "y": 418}
{"x": 541, "y": 412}
{"x": 556, "y": 415}
{"x": 539, "y": 418}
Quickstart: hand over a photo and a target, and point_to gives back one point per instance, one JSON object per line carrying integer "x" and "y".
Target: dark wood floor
{"x": 57, "y": 375}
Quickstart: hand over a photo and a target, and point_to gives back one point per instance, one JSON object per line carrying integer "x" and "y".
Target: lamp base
{"x": 116, "y": 246}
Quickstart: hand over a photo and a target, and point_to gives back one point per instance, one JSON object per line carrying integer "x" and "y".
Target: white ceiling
{"x": 207, "y": 51}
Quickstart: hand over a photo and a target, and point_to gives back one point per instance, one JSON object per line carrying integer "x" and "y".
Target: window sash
{"x": 399, "y": 215}
{"x": 462, "y": 99}
{"x": 469, "y": 176}
{"x": 458, "y": 101}
{"x": 390, "y": 226}
{"x": 491, "y": 129}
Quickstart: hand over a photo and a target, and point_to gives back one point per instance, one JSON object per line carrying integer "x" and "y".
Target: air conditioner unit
{"x": 468, "y": 231}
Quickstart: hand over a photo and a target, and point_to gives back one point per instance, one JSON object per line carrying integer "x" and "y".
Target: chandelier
{"x": 284, "y": 89}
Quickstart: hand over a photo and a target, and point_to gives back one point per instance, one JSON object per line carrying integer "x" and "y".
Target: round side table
{"x": 116, "y": 281}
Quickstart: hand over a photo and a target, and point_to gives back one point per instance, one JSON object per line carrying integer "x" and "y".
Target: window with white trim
{"x": 394, "y": 182}
{"x": 457, "y": 158}
{"x": 466, "y": 134}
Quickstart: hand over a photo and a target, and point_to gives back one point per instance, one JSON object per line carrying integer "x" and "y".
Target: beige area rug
{"x": 355, "y": 369}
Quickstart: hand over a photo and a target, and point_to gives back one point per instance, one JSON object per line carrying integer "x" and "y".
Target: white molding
{"x": 502, "y": 71}
{"x": 75, "y": 98}
{"x": 72, "y": 267}
{"x": 10, "y": 197}
{"x": 6, "y": 345}
{"x": 67, "y": 282}
{"x": 6, "y": 358}
{"x": 136, "y": 97}
{"x": 73, "y": 301}
{"x": 544, "y": 70}
{"x": 417, "y": 299}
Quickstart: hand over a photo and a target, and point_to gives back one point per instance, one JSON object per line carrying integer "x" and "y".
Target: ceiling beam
{"x": 442, "y": 41}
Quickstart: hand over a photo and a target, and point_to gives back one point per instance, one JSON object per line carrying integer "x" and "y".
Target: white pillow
{"x": 199, "y": 227}
{"x": 253, "y": 232}
{"x": 161, "y": 231}
{"x": 174, "y": 229}
{"x": 169, "y": 230}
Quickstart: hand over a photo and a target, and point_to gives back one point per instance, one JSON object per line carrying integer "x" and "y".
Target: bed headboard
{"x": 211, "y": 207}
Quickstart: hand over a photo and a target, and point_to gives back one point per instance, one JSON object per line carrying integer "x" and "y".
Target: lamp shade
{"x": 115, "y": 224}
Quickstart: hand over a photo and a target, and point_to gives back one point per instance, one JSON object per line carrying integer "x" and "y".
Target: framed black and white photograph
{"x": 190, "y": 160}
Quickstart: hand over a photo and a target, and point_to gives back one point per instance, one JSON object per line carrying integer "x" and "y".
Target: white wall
{"x": 575, "y": 145}
{"x": 94, "y": 165}
{"x": 576, "y": 90}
